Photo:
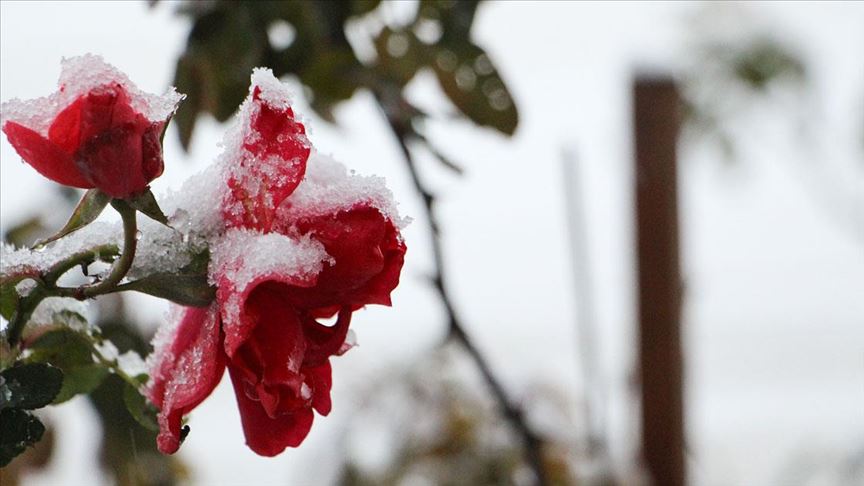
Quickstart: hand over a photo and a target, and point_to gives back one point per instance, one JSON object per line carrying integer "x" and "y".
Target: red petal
{"x": 323, "y": 341}
{"x": 237, "y": 323}
{"x": 44, "y": 156}
{"x": 369, "y": 255}
{"x": 265, "y": 435}
{"x": 320, "y": 379}
{"x": 65, "y": 130}
{"x": 271, "y": 166}
{"x": 270, "y": 359}
{"x": 187, "y": 372}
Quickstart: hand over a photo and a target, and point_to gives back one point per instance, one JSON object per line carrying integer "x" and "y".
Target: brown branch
{"x": 512, "y": 413}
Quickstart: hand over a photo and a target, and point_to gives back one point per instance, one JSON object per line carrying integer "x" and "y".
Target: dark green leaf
{"x": 18, "y": 430}
{"x": 362, "y": 7}
{"x": 9, "y": 295}
{"x": 472, "y": 83}
{"x": 81, "y": 379}
{"x": 456, "y": 18}
{"x": 146, "y": 204}
{"x": 400, "y": 54}
{"x": 187, "y": 79}
{"x": 184, "y": 289}
{"x": 88, "y": 209}
{"x": 62, "y": 347}
{"x": 141, "y": 410}
{"x": 29, "y": 386}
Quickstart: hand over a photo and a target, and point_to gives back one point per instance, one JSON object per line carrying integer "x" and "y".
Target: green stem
{"x": 22, "y": 314}
{"x": 47, "y": 286}
{"x": 121, "y": 266}
{"x": 82, "y": 257}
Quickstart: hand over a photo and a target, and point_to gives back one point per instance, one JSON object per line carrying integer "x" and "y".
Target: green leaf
{"x": 187, "y": 80}
{"x": 29, "y": 386}
{"x": 472, "y": 83}
{"x": 400, "y": 54}
{"x": 141, "y": 410}
{"x": 185, "y": 289}
{"x": 9, "y": 295}
{"x": 81, "y": 379}
{"x": 362, "y": 7}
{"x": 146, "y": 204}
{"x": 18, "y": 430}
{"x": 62, "y": 347}
{"x": 88, "y": 209}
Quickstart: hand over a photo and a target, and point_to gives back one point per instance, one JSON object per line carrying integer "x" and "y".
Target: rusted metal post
{"x": 656, "y": 123}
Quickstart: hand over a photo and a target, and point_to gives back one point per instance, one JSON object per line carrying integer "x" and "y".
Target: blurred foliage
{"x": 309, "y": 40}
{"x": 440, "y": 428}
{"x": 730, "y": 77}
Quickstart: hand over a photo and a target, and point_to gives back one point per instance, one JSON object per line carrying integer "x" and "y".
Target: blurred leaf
{"x": 87, "y": 210}
{"x": 187, "y": 80}
{"x": 456, "y": 18}
{"x": 146, "y": 204}
{"x": 362, "y": 7}
{"x": 81, "y": 379}
{"x": 225, "y": 43}
{"x": 29, "y": 386}
{"x": 24, "y": 233}
{"x": 62, "y": 347}
{"x": 472, "y": 83}
{"x": 333, "y": 75}
{"x": 764, "y": 61}
{"x": 400, "y": 55}
{"x": 18, "y": 430}
{"x": 140, "y": 409}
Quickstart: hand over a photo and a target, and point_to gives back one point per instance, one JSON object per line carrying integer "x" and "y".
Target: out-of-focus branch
{"x": 391, "y": 103}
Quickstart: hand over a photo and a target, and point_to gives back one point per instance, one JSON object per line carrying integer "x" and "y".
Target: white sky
{"x": 774, "y": 257}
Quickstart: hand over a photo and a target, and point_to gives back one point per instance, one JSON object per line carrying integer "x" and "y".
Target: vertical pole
{"x": 656, "y": 120}
{"x": 594, "y": 420}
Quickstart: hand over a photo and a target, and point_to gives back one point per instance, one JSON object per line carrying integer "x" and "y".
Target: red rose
{"x": 97, "y": 131}
{"x": 286, "y": 259}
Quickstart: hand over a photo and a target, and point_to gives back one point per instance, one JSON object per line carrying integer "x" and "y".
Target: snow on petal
{"x": 186, "y": 365}
{"x": 243, "y": 258}
{"x": 264, "y": 156}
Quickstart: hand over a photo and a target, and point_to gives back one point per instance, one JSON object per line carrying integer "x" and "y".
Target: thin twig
{"x": 512, "y": 413}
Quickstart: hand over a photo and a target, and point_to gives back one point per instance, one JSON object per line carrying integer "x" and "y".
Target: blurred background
{"x": 518, "y": 118}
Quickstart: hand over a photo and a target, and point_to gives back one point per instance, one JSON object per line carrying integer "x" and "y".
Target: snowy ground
{"x": 774, "y": 257}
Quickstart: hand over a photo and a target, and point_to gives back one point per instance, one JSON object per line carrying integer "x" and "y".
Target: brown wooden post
{"x": 656, "y": 122}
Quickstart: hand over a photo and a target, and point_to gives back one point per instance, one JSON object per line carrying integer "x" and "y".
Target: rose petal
{"x": 46, "y": 157}
{"x": 320, "y": 379}
{"x": 368, "y": 254}
{"x": 268, "y": 165}
{"x": 268, "y": 436}
{"x": 186, "y": 372}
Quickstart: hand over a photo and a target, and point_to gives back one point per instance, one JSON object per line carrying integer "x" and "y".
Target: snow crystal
{"x": 242, "y": 255}
{"x": 273, "y": 92}
{"x": 24, "y": 259}
{"x": 79, "y": 75}
{"x": 195, "y": 209}
{"x": 328, "y": 188}
{"x": 162, "y": 340}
